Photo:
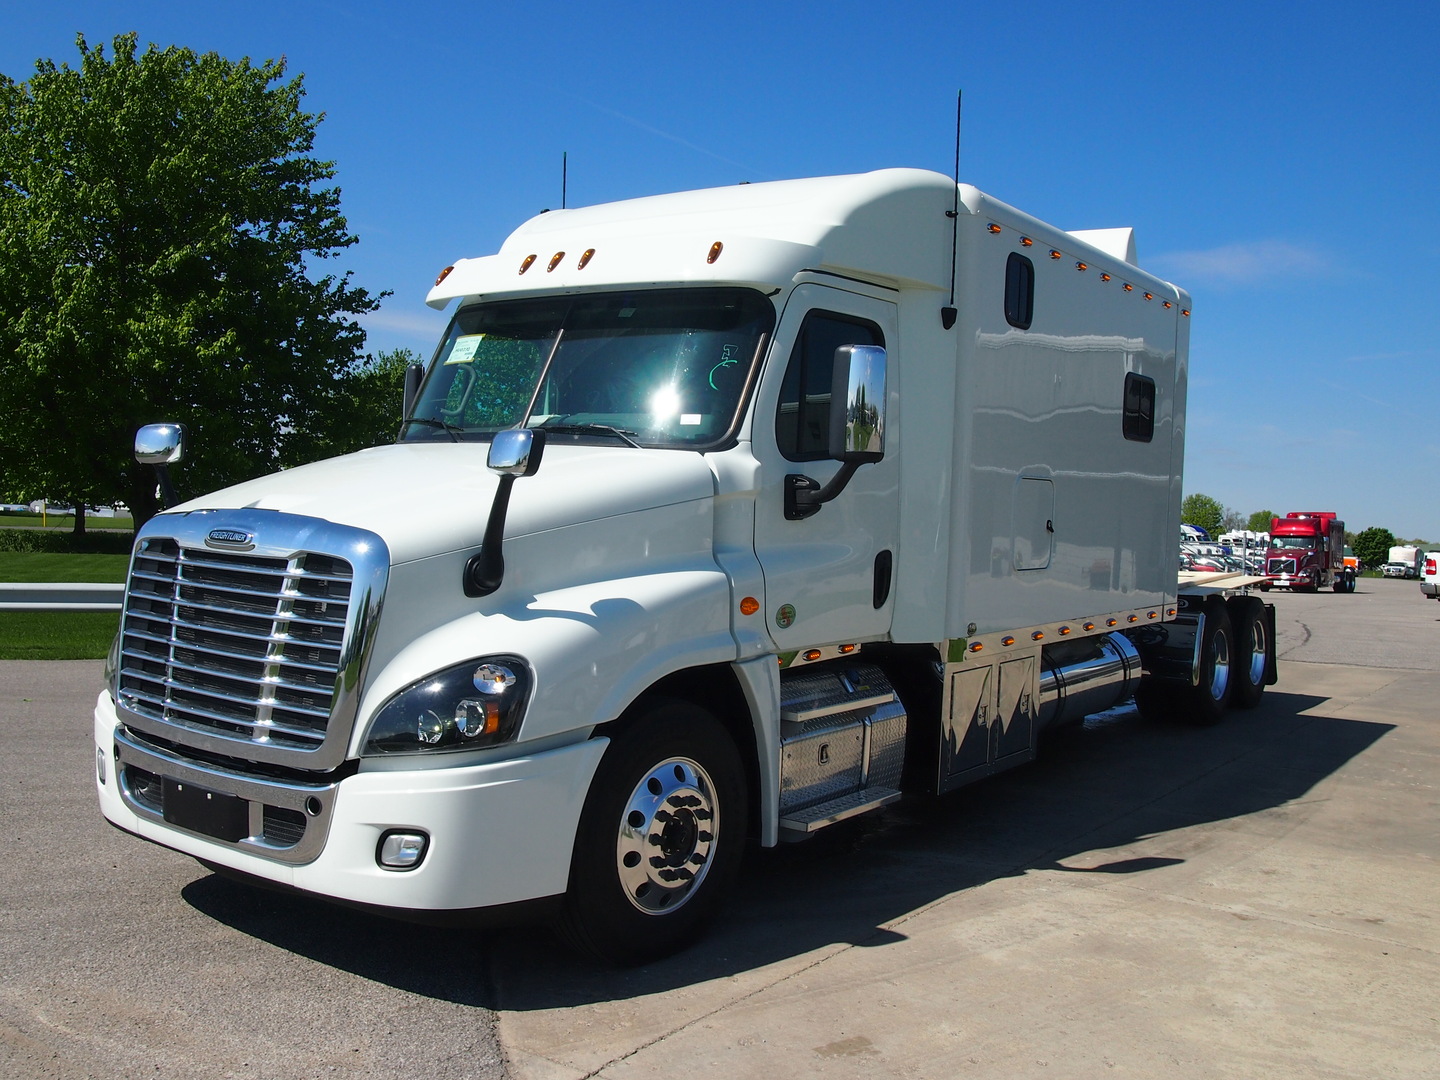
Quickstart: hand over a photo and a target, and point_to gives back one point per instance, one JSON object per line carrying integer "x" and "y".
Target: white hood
{"x": 429, "y": 498}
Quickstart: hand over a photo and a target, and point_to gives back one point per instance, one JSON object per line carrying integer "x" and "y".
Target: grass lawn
{"x": 58, "y": 635}
{"x": 65, "y": 522}
{"x": 43, "y": 566}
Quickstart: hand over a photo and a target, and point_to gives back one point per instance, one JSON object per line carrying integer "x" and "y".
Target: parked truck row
{"x": 716, "y": 516}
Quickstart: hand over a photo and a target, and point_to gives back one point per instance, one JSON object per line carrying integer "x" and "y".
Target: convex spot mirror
{"x": 857, "y": 404}
{"x": 160, "y": 444}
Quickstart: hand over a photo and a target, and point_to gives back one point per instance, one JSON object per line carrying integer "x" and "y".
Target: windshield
{"x": 1293, "y": 543}
{"x": 659, "y": 368}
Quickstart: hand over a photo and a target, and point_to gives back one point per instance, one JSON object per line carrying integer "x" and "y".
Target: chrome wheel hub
{"x": 667, "y": 831}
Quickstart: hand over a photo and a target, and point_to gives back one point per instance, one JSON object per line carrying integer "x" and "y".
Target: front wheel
{"x": 659, "y": 839}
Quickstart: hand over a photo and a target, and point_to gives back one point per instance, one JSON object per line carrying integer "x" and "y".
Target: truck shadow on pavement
{"x": 1114, "y": 783}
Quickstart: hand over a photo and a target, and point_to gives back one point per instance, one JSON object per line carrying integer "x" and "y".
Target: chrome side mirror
{"x": 160, "y": 444}
{"x": 857, "y": 404}
{"x": 514, "y": 452}
{"x": 857, "y": 427}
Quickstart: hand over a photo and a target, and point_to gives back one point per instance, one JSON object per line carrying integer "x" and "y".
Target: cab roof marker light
{"x": 585, "y": 259}
{"x": 993, "y": 227}
{"x": 555, "y": 261}
{"x": 715, "y": 250}
{"x": 444, "y": 274}
{"x": 1168, "y": 304}
{"x": 1025, "y": 241}
{"x": 1129, "y": 287}
{"x": 1149, "y": 296}
{"x": 1054, "y": 254}
{"x": 529, "y": 262}
{"x": 1185, "y": 312}
{"x": 1104, "y": 277}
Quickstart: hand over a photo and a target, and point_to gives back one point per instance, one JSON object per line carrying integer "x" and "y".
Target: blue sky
{"x": 1281, "y": 161}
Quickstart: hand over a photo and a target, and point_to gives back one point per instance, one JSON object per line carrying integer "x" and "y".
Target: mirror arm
{"x": 168, "y": 495}
{"x": 486, "y": 568}
{"x": 804, "y": 496}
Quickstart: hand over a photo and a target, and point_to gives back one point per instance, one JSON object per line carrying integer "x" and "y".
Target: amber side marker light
{"x": 1089, "y": 626}
{"x": 749, "y": 605}
{"x": 1081, "y": 266}
{"x": 555, "y": 261}
{"x": 846, "y": 650}
{"x": 1112, "y": 622}
{"x": 1054, "y": 254}
{"x": 1025, "y": 241}
{"x": 444, "y": 274}
{"x": 1152, "y": 614}
{"x": 1104, "y": 277}
{"x": 1064, "y": 630}
{"x": 1038, "y": 635}
{"x": 715, "y": 250}
{"x": 976, "y": 647}
{"x": 993, "y": 227}
{"x": 1007, "y": 641}
{"x": 585, "y": 259}
{"x": 529, "y": 262}
{"x": 812, "y": 654}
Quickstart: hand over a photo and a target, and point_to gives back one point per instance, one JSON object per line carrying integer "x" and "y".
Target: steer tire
{"x": 659, "y": 839}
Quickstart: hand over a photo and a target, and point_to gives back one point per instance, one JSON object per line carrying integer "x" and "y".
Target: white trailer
{"x": 808, "y": 534}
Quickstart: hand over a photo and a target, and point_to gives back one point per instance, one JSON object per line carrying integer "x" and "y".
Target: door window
{"x": 802, "y": 419}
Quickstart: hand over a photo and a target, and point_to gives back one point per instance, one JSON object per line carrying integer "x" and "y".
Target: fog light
{"x": 100, "y": 764}
{"x": 401, "y": 850}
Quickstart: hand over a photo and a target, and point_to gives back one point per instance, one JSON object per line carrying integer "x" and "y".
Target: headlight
{"x": 478, "y": 703}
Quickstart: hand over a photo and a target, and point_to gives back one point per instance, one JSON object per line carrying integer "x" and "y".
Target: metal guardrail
{"x": 61, "y": 596}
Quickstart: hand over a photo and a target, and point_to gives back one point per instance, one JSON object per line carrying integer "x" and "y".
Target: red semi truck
{"x": 1307, "y": 552}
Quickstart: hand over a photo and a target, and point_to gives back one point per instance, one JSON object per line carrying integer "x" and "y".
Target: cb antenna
{"x": 947, "y": 313}
{"x": 565, "y": 176}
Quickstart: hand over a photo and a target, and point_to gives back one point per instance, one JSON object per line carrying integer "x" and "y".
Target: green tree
{"x": 1260, "y": 521}
{"x": 1372, "y": 546}
{"x": 366, "y": 411}
{"x": 1203, "y": 511}
{"x": 161, "y": 219}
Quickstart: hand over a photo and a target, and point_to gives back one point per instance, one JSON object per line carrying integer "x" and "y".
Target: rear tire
{"x": 1205, "y": 703}
{"x": 1252, "y": 652}
{"x": 659, "y": 839}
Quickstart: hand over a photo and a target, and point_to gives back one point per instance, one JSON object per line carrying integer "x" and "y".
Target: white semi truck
{"x": 717, "y": 516}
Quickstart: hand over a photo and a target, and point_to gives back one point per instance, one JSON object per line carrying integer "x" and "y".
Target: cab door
{"x": 828, "y": 577}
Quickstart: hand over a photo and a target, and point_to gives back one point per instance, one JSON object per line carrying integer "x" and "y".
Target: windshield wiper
{"x": 449, "y": 429}
{"x": 593, "y": 429}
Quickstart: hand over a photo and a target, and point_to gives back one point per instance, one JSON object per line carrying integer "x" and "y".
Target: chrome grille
{"x": 1280, "y": 566}
{"x": 240, "y": 646}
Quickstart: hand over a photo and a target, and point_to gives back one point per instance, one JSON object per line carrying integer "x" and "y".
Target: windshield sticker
{"x": 464, "y": 349}
{"x": 728, "y": 357}
{"x": 690, "y": 419}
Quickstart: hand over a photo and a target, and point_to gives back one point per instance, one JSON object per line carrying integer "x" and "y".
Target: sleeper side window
{"x": 1139, "y": 422}
{"x": 1019, "y": 291}
{"x": 802, "y": 419}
